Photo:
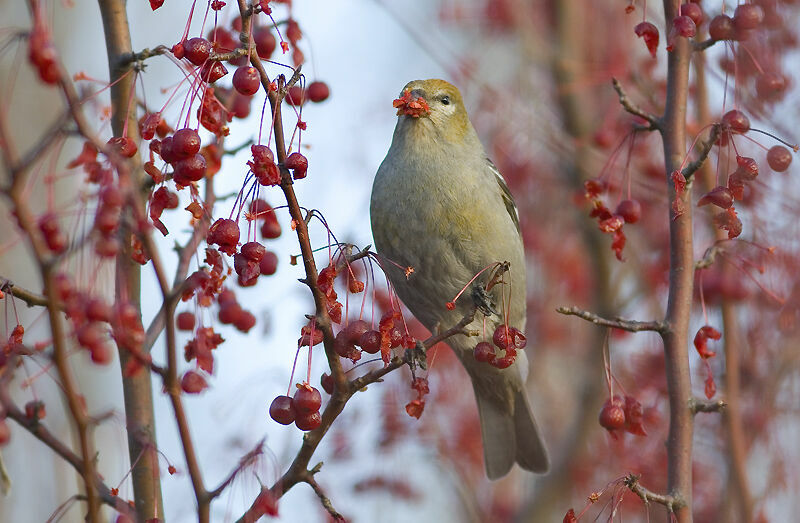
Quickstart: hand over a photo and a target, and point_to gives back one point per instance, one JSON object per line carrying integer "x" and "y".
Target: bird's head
{"x": 433, "y": 105}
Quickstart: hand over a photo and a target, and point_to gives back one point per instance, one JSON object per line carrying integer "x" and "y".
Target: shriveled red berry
{"x": 193, "y": 382}
{"x": 612, "y": 415}
{"x": 684, "y": 26}
{"x": 506, "y": 337}
{"x": 649, "y": 33}
{"x": 225, "y": 233}
{"x": 747, "y": 16}
{"x": 185, "y": 321}
{"x": 265, "y": 42}
{"x": 370, "y": 341}
{"x": 197, "y": 50}
{"x": 308, "y": 421}
{"x": 246, "y": 80}
{"x": 212, "y": 71}
{"x": 327, "y": 383}
{"x": 779, "y": 158}
{"x": 318, "y": 91}
{"x": 306, "y": 399}
{"x": 123, "y": 145}
{"x": 298, "y": 164}
{"x": 737, "y": 121}
{"x": 354, "y": 330}
{"x": 630, "y": 210}
{"x": 721, "y": 28}
{"x": 719, "y": 196}
{"x": 484, "y": 352}
{"x": 253, "y": 251}
{"x": 268, "y": 264}
{"x": 345, "y": 348}
{"x": 282, "y": 410}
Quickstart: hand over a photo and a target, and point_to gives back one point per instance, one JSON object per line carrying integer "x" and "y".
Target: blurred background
{"x": 536, "y": 77}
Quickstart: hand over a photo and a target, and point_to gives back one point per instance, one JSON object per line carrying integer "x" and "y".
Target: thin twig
{"x": 30, "y": 298}
{"x": 617, "y": 323}
{"x": 671, "y": 503}
{"x": 326, "y": 502}
{"x": 629, "y": 106}
{"x": 703, "y": 151}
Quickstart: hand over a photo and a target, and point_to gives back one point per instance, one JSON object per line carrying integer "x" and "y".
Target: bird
{"x": 440, "y": 213}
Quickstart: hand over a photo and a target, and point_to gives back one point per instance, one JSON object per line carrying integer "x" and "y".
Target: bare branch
{"x": 326, "y": 502}
{"x": 670, "y": 502}
{"x": 30, "y": 298}
{"x": 617, "y": 323}
{"x": 704, "y": 149}
{"x": 629, "y": 106}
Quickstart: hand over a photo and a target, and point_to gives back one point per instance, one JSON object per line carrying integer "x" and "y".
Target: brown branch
{"x": 326, "y": 502}
{"x": 670, "y": 502}
{"x": 629, "y": 106}
{"x": 699, "y": 405}
{"x": 705, "y": 44}
{"x": 30, "y": 298}
{"x": 616, "y": 323}
{"x": 703, "y": 150}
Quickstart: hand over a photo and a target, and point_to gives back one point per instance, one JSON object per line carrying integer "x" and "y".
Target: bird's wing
{"x": 505, "y": 193}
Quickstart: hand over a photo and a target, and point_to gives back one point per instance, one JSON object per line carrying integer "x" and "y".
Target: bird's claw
{"x": 483, "y": 301}
{"x": 417, "y": 357}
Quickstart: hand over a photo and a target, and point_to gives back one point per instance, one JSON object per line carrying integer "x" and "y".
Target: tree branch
{"x": 616, "y": 323}
{"x": 670, "y": 502}
{"x": 629, "y": 106}
{"x": 699, "y": 405}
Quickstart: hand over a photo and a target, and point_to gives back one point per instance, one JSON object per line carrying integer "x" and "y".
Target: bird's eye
{"x": 445, "y": 100}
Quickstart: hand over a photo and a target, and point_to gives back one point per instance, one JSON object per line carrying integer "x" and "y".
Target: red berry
{"x": 268, "y": 264}
{"x": 197, "y": 50}
{"x": 693, "y": 11}
{"x": 225, "y": 233}
{"x": 298, "y": 164}
{"x": 185, "y": 143}
{"x": 193, "y": 383}
{"x": 253, "y": 251}
{"x": 293, "y": 32}
{"x": 747, "y": 16}
{"x": 294, "y": 96}
{"x": 54, "y": 237}
{"x": 770, "y": 86}
{"x": 265, "y": 42}
{"x": 188, "y": 170}
{"x": 684, "y": 26}
{"x": 166, "y": 151}
{"x": 244, "y": 321}
{"x": 246, "y": 80}
{"x": 185, "y": 321}
{"x": 747, "y": 168}
{"x": 345, "y": 348}
{"x": 123, "y": 145}
{"x": 308, "y": 420}
{"x": 271, "y": 228}
{"x": 97, "y": 309}
{"x": 484, "y": 352}
{"x": 779, "y": 158}
{"x": 212, "y": 71}
{"x": 721, "y": 28}
{"x": 229, "y": 312}
{"x": 370, "y": 341}
{"x": 506, "y": 337}
{"x": 282, "y": 410}
{"x": 649, "y": 33}
{"x": 240, "y": 105}
{"x": 306, "y": 399}
{"x": 612, "y": 415}
{"x": 630, "y": 210}
{"x": 318, "y": 91}
{"x": 719, "y": 196}
{"x": 354, "y": 330}
{"x": 737, "y": 121}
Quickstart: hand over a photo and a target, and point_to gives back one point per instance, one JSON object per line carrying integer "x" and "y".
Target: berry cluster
{"x": 302, "y": 409}
{"x": 622, "y": 414}
{"x": 627, "y": 211}
{"x": 505, "y": 338}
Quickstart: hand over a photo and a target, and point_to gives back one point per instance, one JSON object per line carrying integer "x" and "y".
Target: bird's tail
{"x": 510, "y": 436}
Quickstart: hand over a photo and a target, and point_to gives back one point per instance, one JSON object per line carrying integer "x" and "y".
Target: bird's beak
{"x": 412, "y": 103}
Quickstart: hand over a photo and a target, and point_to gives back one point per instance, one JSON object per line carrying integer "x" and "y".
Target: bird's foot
{"x": 417, "y": 357}
{"x": 483, "y": 301}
